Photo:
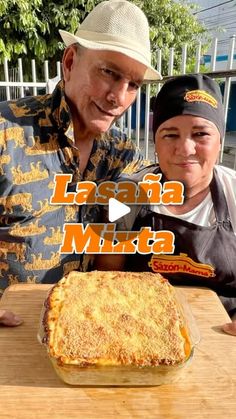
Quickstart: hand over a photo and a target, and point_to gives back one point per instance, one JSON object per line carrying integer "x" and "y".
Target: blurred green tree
{"x": 29, "y": 29}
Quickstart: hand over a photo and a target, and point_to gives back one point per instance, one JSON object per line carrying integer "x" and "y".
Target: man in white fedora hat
{"x": 104, "y": 64}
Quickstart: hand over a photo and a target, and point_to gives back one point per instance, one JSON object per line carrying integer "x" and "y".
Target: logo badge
{"x": 181, "y": 263}
{"x": 201, "y": 96}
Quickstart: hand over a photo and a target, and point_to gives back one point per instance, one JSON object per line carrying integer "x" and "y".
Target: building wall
{"x": 220, "y": 20}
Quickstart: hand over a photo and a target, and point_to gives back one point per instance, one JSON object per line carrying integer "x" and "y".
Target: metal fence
{"x": 225, "y": 75}
{"x": 14, "y": 86}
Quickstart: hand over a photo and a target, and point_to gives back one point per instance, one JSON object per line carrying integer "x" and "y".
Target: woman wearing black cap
{"x": 188, "y": 125}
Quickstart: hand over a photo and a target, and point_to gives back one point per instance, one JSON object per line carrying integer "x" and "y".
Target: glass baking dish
{"x": 130, "y": 375}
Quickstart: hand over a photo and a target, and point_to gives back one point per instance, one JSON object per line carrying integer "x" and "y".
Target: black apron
{"x": 204, "y": 256}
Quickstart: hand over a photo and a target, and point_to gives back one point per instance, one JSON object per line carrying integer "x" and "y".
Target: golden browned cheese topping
{"x": 115, "y": 318}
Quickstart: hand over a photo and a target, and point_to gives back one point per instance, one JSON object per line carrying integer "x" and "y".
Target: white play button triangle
{"x": 116, "y": 210}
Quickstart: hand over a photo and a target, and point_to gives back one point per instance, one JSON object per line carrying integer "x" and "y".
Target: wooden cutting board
{"x": 30, "y": 388}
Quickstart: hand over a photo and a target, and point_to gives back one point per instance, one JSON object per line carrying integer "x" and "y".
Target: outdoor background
{"x": 186, "y": 36}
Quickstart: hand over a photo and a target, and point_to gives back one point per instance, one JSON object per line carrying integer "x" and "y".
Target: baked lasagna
{"x": 114, "y": 319}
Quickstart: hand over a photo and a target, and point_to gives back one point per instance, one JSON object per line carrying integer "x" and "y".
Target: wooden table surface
{"x": 29, "y": 387}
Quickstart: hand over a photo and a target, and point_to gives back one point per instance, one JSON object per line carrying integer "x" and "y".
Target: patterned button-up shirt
{"x": 36, "y": 142}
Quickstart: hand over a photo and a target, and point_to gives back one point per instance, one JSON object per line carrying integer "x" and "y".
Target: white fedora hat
{"x": 116, "y": 25}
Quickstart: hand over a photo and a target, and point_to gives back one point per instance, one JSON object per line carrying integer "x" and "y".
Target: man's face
{"x": 99, "y": 86}
{"x": 187, "y": 147}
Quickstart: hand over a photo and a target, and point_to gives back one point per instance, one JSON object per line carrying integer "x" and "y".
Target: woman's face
{"x": 188, "y": 147}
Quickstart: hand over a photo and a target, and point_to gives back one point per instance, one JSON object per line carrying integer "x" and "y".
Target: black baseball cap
{"x": 192, "y": 94}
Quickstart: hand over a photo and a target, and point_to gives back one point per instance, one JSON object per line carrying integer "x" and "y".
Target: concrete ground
{"x": 228, "y": 158}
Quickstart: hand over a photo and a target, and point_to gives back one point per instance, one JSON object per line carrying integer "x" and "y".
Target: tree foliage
{"x": 172, "y": 24}
{"x": 29, "y": 29}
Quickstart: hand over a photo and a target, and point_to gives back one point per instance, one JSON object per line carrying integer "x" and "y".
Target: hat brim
{"x": 150, "y": 75}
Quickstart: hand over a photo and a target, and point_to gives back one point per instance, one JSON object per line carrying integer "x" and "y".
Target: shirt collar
{"x": 61, "y": 114}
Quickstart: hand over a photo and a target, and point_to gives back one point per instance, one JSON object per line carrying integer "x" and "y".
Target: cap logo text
{"x": 200, "y": 96}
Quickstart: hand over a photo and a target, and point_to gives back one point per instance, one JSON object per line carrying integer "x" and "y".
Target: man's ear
{"x": 68, "y": 61}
